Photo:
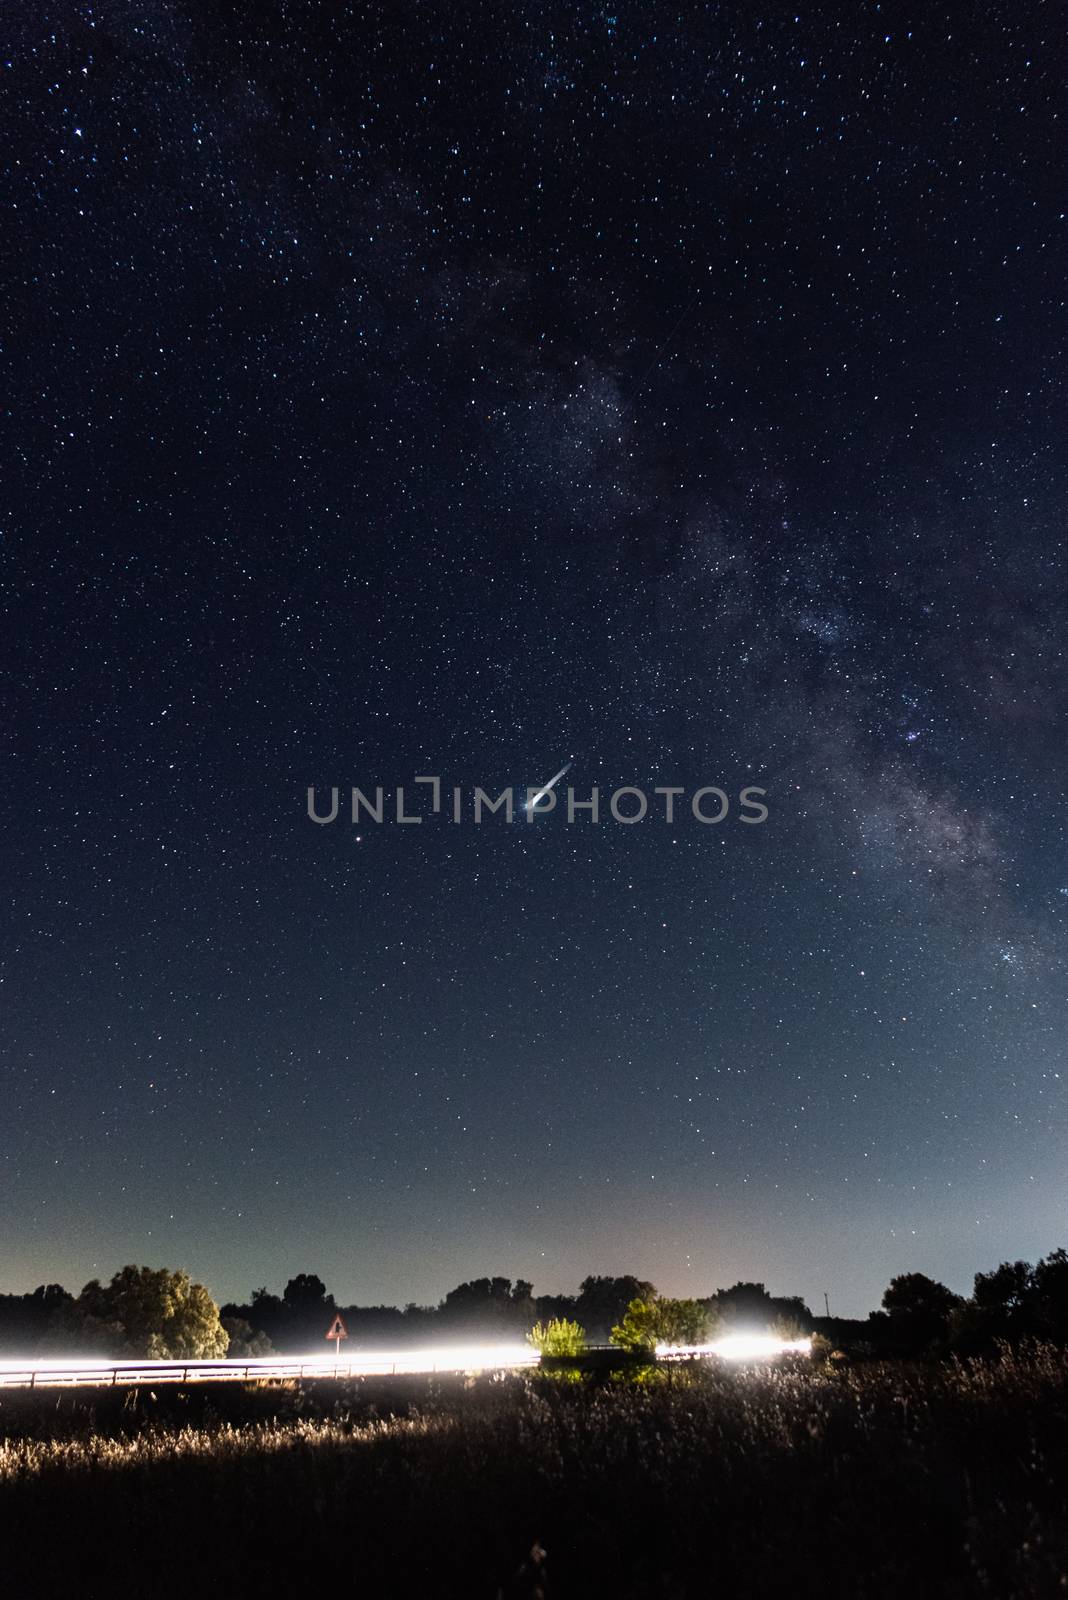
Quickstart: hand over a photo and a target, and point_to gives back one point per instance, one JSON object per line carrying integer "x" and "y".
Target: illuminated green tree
{"x": 648, "y": 1323}
{"x": 146, "y": 1311}
{"x": 637, "y": 1331}
{"x": 557, "y": 1338}
{"x": 682, "y": 1321}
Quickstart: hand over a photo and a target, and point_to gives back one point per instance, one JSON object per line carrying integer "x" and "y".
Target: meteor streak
{"x": 533, "y": 802}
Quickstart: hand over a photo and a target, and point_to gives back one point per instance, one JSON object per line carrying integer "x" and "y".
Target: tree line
{"x": 495, "y": 1308}
{"x": 164, "y": 1314}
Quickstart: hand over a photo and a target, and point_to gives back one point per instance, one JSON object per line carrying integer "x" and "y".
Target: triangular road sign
{"x": 337, "y": 1329}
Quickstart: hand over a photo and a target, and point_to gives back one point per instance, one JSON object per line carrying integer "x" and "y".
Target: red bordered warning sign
{"x": 337, "y": 1331}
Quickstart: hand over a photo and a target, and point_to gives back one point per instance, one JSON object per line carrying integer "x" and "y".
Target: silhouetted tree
{"x": 919, "y": 1309}
{"x": 265, "y": 1313}
{"x": 245, "y": 1341}
{"x": 603, "y": 1301}
{"x": 749, "y": 1307}
{"x": 307, "y": 1293}
{"x": 48, "y": 1298}
{"x": 1049, "y": 1295}
{"x": 790, "y": 1312}
{"x": 560, "y": 1306}
{"x": 307, "y": 1312}
{"x": 1005, "y": 1292}
{"x": 745, "y": 1303}
{"x": 914, "y": 1294}
{"x": 27, "y": 1321}
{"x": 523, "y": 1303}
{"x": 488, "y": 1304}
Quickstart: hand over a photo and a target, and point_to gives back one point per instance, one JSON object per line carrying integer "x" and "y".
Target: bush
{"x": 557, "y": 1338}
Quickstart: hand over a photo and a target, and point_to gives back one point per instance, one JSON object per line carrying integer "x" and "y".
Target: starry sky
{"x": 404, "y": 389}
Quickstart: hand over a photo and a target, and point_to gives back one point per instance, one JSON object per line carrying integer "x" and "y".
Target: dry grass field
{"x": 874, "y": 1480}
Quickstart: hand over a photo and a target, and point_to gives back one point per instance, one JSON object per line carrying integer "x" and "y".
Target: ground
{"x": 800, "y": 1480}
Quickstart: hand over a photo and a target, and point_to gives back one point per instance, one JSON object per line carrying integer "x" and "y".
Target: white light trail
{"x": 740, "y": 1347}
{"x": 83, "y": 1371}
{"x": 90, "y": 1371}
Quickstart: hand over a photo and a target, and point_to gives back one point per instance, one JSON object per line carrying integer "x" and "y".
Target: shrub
{"x": 557, "y": 1337}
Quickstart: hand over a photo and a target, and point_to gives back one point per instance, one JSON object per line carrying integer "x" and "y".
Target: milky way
{"x": 399, "y": 393}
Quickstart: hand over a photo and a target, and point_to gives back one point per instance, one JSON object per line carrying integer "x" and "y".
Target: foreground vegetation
{"x": 948, "y": 1480}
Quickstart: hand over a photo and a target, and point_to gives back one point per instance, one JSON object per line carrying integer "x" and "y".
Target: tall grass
{"x": 870, "y": 1481}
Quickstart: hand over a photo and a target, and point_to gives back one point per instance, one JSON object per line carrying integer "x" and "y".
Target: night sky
{"x": 402, "y": 389}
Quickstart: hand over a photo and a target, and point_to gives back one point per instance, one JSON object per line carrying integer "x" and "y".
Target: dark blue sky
{"x": 396, "y": 391}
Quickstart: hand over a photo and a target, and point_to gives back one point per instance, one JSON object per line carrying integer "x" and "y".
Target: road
{"x": 73, "y": 1372}
{"x": 89, "y": 1371}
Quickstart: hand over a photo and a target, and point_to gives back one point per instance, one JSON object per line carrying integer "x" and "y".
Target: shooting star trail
{"x": 535, "y": 799}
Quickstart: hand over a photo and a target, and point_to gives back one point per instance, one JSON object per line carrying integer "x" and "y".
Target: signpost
{"x": 337, "y": 1331}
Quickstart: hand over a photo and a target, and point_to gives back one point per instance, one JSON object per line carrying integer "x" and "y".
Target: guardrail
{"x": 89, "y": 1372}
{"x": 86, "y": 1372}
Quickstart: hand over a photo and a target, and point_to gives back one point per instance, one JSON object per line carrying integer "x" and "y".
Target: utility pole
{"x": 826, "y": 1303}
